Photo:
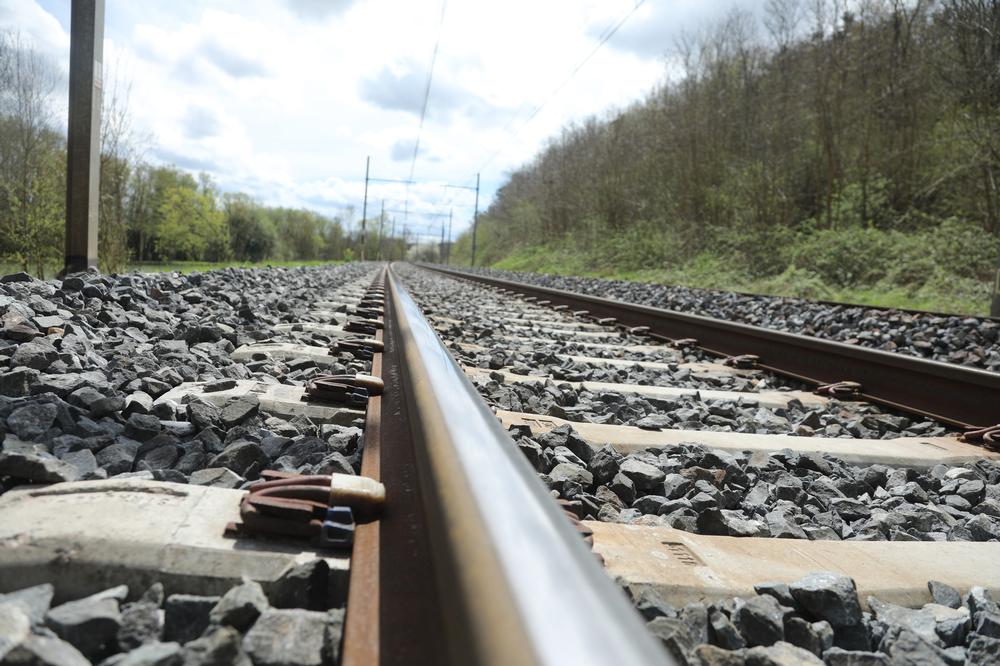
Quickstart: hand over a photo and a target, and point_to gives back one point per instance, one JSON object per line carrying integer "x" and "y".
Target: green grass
{"x": 958, "y": 295}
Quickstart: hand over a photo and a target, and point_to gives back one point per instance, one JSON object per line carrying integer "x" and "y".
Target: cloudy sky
{"x": 284, "y": 99}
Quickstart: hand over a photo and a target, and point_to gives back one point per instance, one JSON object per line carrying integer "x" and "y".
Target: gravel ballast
{"x": 972, "y": 341}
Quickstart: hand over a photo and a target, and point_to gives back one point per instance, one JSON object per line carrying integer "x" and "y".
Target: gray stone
{"x": 118, "y": 457}
{"x": 709, "y": 655}
{"x": 604, "y": 464}
{"x": 828, "y": 596}
{"x": 988, "y": 624}
{"x": 18, "y": 382}
{"x": 983, "y": 650}
{"x": 816, "y": 637}
{"x": 906, "y": 647}
{"x": 202, "y": 414}
{"x": 141, "y": 427}
{"x": 153, "y": 654}
{"x": 944, "y": 594}
{"x": 642, "y": 474}
{"x": 724, "y": 633}
{"x": 33, "y": 420}
{"x": 15, "y": 626}
{"x": 90, "y": 624}
{"x": 37, "y": 467}
{"x": 186, "y": 616}
{"x": 33, "y": 601}
{"x": 45, "y": 651}
{"x": 240, "y": 456}
{"x": 781, "y": 654}
{"x": 216, "y": 477}
{"x": 571, "y": 473}
{"x": 979, "y": 599}
{"x": 836, "y": 656}
{"x": 761, "y": 620}
{"x": 725, "y": 522}
{"x": 238, "y": 410}
{"x": 221, "y": 647}
{"x": 304, "y": 586}
{"x": 98, "y": 403}
{"x": 37, "y": 354}
{"x": 777, "y": 590}
{"x": 919, "y": 621}
{"x": 675, "y": 635}
{"x": 240, "y": 606}
{"x": 84, "y": 461}
{"x": 334, "y": 463}
{"x": 142, "y": 622}
{"x": 284, "y": 637}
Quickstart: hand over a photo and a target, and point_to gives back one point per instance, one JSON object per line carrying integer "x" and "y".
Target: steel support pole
{"x": 392, "y": 235}
{"x": 441, "y": 247}
{"x": 364, "y": 207}
{"x": 447, "y": 259}
{"x": 83, "y": 145}
{"x": 475, "y": 223}
{"x": 381, "y": 229}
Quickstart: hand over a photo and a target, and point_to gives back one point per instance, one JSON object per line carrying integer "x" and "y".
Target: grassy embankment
{"x": 939, "y": 270}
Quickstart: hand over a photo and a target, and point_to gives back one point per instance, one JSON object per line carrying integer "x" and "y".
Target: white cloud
{"x": 284, "y": 100}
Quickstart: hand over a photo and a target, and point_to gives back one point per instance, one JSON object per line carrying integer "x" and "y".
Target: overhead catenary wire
{"x": 427, "y": 95}
{"x": 602, "y": 39}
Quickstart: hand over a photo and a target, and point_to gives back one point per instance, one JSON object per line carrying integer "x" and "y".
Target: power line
{"x": 602, "y": 40}
{"x": 427, "y": 89}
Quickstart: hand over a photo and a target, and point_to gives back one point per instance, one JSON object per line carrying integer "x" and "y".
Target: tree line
{"x": 147, "y": 212}
{"x": 849, "y": 138}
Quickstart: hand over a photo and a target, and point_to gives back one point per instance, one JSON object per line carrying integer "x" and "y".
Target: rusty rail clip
{"x": 366, "y": 312}
{"x": 742, "y": 361}
{"x": 321, "y": 508}
{"x": 989, "y": 436}
{"x": 351, "y": 390}
{"x": 845, "y": 390}
{"x": 363, "y": 348}
{"x": 365, "y": 326}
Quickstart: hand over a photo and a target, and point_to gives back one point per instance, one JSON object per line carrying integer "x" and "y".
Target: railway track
{"x": 447, "y": 417}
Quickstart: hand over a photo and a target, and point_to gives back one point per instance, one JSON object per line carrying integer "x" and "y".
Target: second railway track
{"x": 746, "y": 518}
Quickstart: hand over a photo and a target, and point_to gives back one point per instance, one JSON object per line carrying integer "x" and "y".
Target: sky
{"x": 286, "y": 99}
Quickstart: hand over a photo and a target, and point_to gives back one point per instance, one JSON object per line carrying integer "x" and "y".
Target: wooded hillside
{"x": 852, "y": 144}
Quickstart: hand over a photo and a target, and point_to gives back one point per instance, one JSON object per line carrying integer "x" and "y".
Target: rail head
{"x": 958, "y": 395}
{"x": 517, "y": 582}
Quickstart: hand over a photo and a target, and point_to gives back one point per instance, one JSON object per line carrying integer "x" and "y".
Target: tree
{"x": 190, "y": 226}
{"x": 252, "y": 235}
{"x": 32, "y": 157}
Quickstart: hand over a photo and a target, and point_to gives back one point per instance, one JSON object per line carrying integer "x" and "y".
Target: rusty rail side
{"x": 957, "y": 395}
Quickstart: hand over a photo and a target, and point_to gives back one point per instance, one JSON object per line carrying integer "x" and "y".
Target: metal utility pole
{"x": 447, "y": 259}
{"x": 475, "y": 223}
{"x": 364, "y": 207}
{"x": 381, "y": 227}
{"x": 441, "y": 247}
{"x": 392, "y": 250}
{"x": 83, "y": 144}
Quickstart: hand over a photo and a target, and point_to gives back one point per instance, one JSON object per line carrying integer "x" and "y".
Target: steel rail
{"x": 957, "y": 395}
{"x": 512, "y": 582}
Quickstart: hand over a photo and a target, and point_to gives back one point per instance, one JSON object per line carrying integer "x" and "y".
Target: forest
{"x": 821, "y": 148}
{"x": 148, "y": 212}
